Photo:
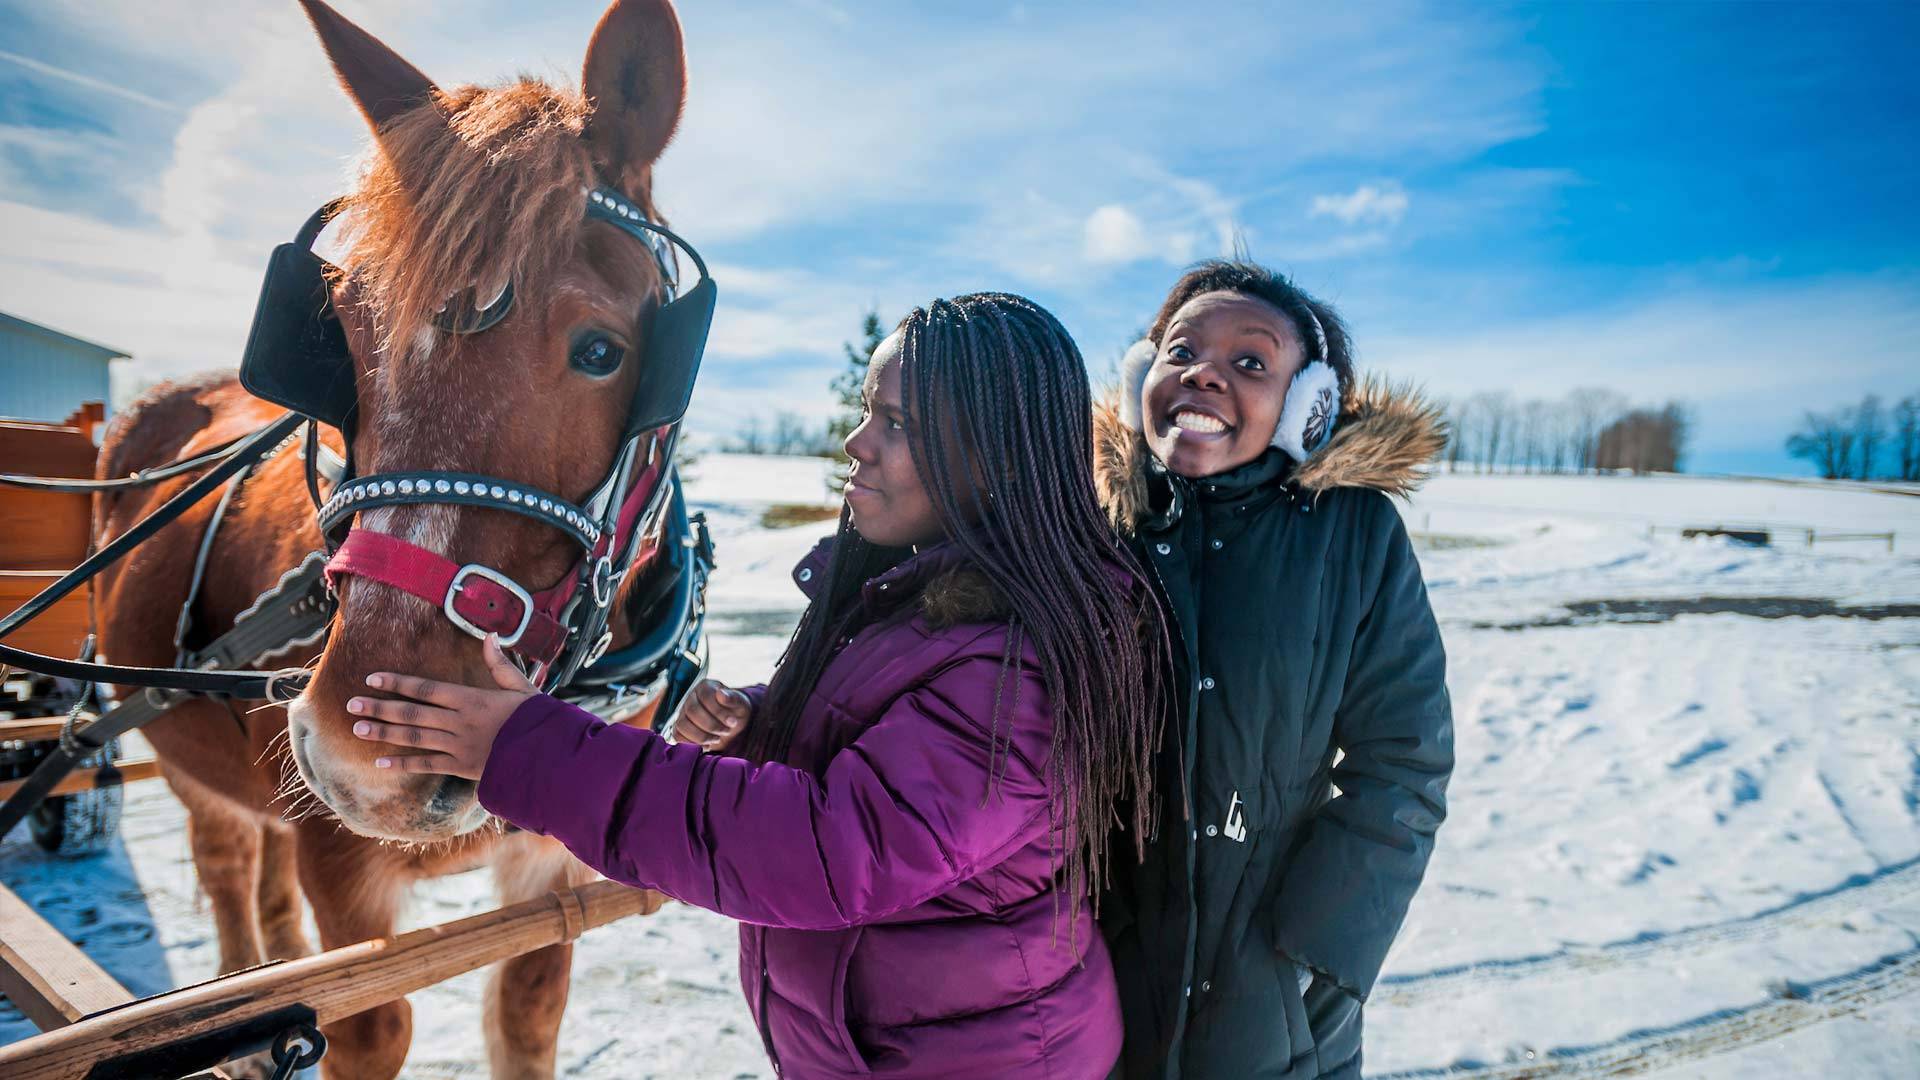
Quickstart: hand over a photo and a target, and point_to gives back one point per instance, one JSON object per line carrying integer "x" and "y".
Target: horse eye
{"x": 596, "y": 355}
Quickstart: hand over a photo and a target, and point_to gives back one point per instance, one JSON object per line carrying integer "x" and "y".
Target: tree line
{"x": 1864, "y": 441}
{"x": 790, "y": 433}
{"x": 1591, "y": 428}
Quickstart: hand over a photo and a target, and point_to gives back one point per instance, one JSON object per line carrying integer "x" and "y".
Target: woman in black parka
{"x": 1305, "y": 770}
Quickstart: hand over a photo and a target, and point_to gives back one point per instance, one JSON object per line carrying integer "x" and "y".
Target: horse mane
{"x": 477, "y": 187}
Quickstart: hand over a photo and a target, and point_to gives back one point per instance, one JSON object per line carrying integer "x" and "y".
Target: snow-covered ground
{"x": 1684, "y": 839}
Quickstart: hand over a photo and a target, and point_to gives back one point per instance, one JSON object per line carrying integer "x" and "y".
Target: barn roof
{"x": 26, "y": 326}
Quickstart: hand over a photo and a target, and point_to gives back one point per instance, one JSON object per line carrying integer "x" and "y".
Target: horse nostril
{"x": 450, "y": 795}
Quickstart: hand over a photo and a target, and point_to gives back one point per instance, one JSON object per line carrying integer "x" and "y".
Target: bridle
{"x": 557, "y": 630}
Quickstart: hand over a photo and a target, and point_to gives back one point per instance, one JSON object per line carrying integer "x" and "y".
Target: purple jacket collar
{"x": 884, "y": 591}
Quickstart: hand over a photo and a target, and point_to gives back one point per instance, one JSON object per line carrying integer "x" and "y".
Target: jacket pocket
{"x": 843, "y": 1004}
{"x": 807, "y": 978}
{"x": 1255, "y": 1024}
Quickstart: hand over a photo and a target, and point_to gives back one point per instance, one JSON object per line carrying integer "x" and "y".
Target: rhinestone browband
{"x": 460, "y": 489}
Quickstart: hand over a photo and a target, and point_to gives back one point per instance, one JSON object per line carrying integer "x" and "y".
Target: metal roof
{"x": 14, "y": 322}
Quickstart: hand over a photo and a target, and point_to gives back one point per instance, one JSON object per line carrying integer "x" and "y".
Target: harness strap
{"x": 476, "y": 598}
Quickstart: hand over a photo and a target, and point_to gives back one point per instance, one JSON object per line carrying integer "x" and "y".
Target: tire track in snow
{"x": 1875, "y": 891}
{"x": 1650, "y": 1049}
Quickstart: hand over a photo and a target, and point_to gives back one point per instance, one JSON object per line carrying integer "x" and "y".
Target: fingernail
{"x": 363, "y": 728}
{"x": 356, "y": 705}
{"x": 376, "y": 681}
{"x": 383, "y": 763}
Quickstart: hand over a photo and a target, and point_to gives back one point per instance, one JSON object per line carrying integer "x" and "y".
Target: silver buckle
{"x": 603, "y": 582}
{"x": 500, "y": 579}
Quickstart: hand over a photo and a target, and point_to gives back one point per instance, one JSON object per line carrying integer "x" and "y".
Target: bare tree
{"x": 1535, "y": 416}
{"x": 1869, "y": 431}
{"x": 1559, "y": 435}
{"x": 793, "y": 435}
{"x": 1824, "y": 441}
{"x": 1645, "y": 440}
{"x": 1906, "y": 436}
{"x": 1678, "y": 419}
{"x": 750, "y": 437}
{"x": 1460, "y": 434}
{"x": 1493, "y": 413}
{"x": 1593, "y": 408}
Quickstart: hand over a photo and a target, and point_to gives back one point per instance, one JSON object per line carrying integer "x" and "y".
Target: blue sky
{"x": 1706, "y": 202}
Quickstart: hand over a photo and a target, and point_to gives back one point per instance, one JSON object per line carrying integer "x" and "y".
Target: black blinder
{"x": 297, "y": 356}
{"x": 296, "y": 353}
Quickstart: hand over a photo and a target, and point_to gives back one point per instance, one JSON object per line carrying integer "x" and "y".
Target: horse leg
{"x": 355, "y": 891}
{"x": 527, "y": 994}
{"x": 281, "y": 931}
{"x": 226, "y": 855}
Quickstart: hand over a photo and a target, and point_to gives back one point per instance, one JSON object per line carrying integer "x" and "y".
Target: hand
{"x": 713, "y": 715}
{"x": 450, "y": 727}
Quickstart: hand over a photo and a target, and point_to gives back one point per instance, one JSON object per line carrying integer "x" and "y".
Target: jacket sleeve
{"x": 898, "y": 817}
{"x": 1347, "y": 888}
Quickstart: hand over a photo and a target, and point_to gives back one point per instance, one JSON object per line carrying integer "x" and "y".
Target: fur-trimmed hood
{"x": 1386, "y": 436}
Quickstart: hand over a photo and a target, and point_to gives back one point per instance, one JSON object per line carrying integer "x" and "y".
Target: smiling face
{"x": 890, "y": 504}
{"x": 1212, "y": 398}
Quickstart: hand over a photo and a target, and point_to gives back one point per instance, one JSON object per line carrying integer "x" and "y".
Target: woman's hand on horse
{"x": 713, "y": 715}
{"x": 449, "y": 727}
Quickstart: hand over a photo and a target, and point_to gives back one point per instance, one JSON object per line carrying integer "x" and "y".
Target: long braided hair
{"x": 1000, "y": 394}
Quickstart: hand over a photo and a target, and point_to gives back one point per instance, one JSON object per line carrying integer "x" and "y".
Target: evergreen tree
{"x": 846, "y": 392}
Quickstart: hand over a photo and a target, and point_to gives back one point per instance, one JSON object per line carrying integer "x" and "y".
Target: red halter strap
{"x": 481, "y": 600}
{"x": 476, "y": 598}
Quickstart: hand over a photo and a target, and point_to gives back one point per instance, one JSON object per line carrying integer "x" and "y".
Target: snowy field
{"x": 1685, "y": 827}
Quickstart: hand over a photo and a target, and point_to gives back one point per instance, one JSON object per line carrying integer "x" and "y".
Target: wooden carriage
{"x": 43, "y": 534}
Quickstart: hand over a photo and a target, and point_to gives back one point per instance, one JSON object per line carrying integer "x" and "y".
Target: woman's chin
{"x": 1194, "y": 458}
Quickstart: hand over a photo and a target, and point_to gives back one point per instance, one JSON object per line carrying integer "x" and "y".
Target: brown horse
{"x": 467, "y": 188}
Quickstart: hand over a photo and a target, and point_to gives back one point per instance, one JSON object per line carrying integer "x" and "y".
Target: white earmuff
{"x": 1308, "y": 415}
{"x": 1133, "y": 380}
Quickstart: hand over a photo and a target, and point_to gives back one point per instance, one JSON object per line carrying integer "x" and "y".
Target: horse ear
{"x": 636, "y": 87}
{"x": 377, "y": 79}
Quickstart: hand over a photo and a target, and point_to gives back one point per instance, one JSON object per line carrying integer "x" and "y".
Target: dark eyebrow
{"x": 1257, "y": 329}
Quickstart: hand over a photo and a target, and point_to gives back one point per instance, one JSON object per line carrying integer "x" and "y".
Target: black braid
{"x": 1014, "y": 409}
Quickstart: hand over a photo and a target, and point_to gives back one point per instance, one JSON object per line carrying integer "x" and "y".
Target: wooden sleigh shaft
{"x": 334, "y": 985}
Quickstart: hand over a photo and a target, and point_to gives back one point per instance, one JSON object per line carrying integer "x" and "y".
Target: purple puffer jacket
{"x": 895, "y": 921}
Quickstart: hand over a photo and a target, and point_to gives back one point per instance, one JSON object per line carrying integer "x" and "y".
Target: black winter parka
{"x": 1304, "y": 774}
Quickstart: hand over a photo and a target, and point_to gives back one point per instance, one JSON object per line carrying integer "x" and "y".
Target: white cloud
{"x": 1383, "y": 204}
{"x": 1116, "y": 235}
{"x": 103, "y": 86}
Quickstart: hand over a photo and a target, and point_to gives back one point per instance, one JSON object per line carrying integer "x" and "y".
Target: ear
{"x": 381, "y": 83}
{"x": 636, "y": 87}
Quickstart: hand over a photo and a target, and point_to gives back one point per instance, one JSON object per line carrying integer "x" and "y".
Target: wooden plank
{"x": 46, "y": 976}
{"x": 43, "y": 530}
{"x": 335, "y": 984}
{"x": 88, "y": 779}
{"x": 58, "y": 631}
{"x": 32, "y": 728}
{"x": 46, "y": 450}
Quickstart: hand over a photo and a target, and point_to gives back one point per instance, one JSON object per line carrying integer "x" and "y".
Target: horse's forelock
{"x": 481, "y": 186}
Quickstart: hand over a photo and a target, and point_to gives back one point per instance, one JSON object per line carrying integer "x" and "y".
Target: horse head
{"x": 497, "y": 329}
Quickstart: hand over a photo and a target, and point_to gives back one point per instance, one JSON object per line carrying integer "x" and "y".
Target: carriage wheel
{"x": 81, "y": 824}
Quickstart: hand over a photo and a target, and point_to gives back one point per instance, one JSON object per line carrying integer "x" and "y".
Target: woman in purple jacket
{"x": 927, "y": 782}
